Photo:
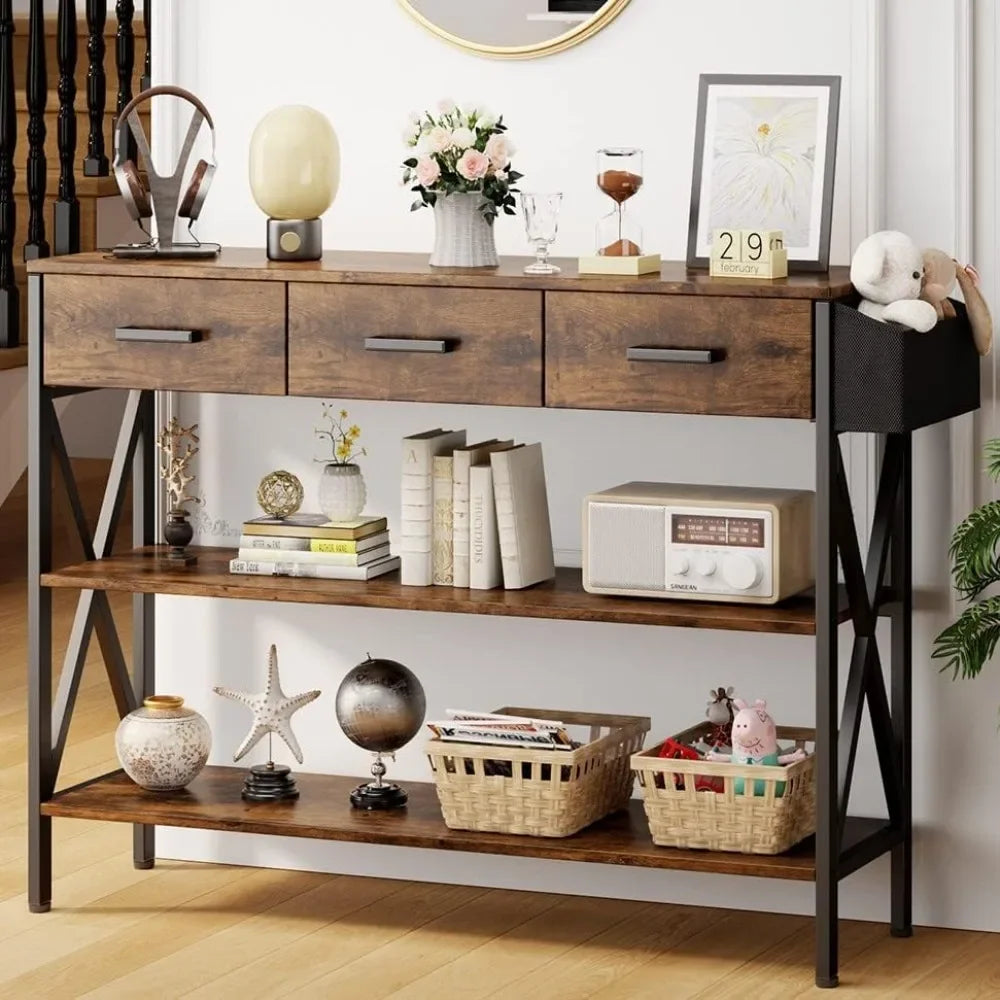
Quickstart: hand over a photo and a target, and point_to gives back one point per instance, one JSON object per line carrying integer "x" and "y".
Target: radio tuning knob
{"x": 741, "y": 571}
{"x": 681, "y": 564}
{"x": 705, "y": 566}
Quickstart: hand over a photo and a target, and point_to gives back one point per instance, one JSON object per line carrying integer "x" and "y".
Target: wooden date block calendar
{"x": 748, "y": 253}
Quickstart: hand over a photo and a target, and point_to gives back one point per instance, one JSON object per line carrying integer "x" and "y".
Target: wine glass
{"x": 541, "y": 223}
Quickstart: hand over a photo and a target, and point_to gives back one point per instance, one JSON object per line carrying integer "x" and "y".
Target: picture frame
{"x": 765, "y": 158}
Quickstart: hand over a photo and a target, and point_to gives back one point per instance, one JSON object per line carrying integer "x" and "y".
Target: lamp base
{"x": 294, "y": 239}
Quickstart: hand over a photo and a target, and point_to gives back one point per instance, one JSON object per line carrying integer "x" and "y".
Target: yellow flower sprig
{"x": 343, "y": 438}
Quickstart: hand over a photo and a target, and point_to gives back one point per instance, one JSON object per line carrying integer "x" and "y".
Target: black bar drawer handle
{"x": 406, "y": 345}
{"x": 138, "y": 334}
{"x": 677, "y": 355}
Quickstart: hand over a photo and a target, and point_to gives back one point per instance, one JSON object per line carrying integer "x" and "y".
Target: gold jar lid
{"x": 163, "y": 702}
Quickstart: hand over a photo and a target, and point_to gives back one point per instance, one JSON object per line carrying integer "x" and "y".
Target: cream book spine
{"x": 417, "y": 505}
{"x": 464, "y": 459}
{"x": 484, "y": 545}
{"x": 442, "y": 541}
{"x": 522, "y": 510}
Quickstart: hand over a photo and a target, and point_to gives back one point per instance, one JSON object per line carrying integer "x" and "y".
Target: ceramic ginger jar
{"x": 342, "y": 492}
{"x": 163, "y": 746}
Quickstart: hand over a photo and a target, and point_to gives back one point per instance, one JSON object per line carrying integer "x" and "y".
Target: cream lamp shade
{"x": 294, "y": 163}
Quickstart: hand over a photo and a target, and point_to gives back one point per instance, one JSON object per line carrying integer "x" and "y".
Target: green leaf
{"x": 975, "y": 562}
{"x": 411, "y": 162}
{"x": 417, "y": 204}
{"x": 992, "y": 454}
{"x": 967, "y": 644}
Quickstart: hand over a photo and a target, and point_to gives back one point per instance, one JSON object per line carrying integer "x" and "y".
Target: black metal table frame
{"x": 878, "y": 583}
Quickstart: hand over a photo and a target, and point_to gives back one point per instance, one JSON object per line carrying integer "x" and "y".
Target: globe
{"x": 380, "y": 705}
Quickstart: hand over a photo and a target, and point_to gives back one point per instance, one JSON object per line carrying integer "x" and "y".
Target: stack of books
{"x": 309, "y": 545}
{"x": 473, "y": 515}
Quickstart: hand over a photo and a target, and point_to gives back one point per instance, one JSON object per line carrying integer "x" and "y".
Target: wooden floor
{"x": 218, "y": 932}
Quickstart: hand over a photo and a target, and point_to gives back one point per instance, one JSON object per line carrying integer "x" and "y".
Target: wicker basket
{"x": 541, "y": 793}
{"x": 680, "y": 815}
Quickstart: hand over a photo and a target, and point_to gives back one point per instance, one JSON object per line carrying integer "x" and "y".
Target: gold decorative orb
{"x": 280, "y": 493}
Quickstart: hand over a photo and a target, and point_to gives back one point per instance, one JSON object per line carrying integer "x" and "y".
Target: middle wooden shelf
{"x": 145, "y": 571}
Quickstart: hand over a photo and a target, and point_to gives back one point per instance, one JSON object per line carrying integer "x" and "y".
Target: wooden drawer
{"x": 238, "y": 329}
{"x": 742, "y": 356}
{"x": 446, "y": 345}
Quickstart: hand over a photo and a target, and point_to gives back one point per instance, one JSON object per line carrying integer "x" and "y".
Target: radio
{"x": 717, "y": 543}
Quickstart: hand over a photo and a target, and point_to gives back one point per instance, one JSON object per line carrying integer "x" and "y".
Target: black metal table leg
{"x": 901, "y": 664}
{"x": 827, "y": 810}
{"x": 143, "y": 606}
{"x": 41, "y": 780}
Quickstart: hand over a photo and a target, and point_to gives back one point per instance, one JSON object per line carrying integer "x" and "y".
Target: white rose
{"x": 501, "y": 175}
{"x": 485, "y": 119}
{"x": 463, "y": 138}
{"x": 423, "y": 144}
{"x": 439, "y": 139}
{"x": 499, "y": 149}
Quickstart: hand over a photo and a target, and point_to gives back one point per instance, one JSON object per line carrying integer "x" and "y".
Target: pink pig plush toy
{"x": 755, "y": 741}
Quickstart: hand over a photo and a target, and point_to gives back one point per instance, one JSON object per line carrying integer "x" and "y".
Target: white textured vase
{"x": 163, "y": 746}
{"x": 342, "y": 492}
{"x": 462, "y": 235}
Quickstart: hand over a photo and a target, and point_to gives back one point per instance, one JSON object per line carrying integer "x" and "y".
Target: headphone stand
{"x": 201, "y": 250}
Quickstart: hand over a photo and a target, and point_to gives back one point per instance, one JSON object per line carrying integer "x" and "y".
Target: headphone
{"x": 139, "y": 199}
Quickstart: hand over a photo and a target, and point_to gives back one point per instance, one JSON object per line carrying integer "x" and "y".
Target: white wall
{"x": 365, "y": 66}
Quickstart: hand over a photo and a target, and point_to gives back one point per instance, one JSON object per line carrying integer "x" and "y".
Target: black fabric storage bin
{"x": 889, "y": 378}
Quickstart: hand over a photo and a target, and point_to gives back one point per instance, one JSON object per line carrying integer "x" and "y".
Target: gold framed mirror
{"x": 514, "y": 29}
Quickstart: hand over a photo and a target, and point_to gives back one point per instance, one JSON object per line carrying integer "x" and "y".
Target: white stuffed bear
{"x": 888, "y": 271}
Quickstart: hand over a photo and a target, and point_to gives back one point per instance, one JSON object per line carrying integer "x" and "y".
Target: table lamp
{"x": 294, "y": 176}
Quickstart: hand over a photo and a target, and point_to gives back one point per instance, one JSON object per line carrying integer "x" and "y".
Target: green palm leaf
{"x": 975, "y": 561}
{"x": 991, "y": 452}
{"x": 967, "y": 644}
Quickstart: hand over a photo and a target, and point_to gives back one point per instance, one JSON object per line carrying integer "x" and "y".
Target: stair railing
{"x": 95, "y": 163}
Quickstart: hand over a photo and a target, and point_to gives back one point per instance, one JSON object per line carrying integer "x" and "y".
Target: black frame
{"x": 575, "y": 6}
{"x": 877, "y": 584}
{"x": 708, "y": 80}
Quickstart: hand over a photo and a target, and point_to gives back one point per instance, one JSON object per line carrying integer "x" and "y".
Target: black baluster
{"x": 125, "y": 61}
{"x": 66, "y": 213}
{"x": 95, "y": 163}
{"x": 38, "y": 92}
{"x": 9, "y": 312}
{"x": 147, "y": 67}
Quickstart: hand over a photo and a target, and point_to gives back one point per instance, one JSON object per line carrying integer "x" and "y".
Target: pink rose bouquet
{"x": 460, "y": 150}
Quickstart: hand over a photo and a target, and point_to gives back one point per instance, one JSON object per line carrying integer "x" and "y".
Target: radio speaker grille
{"x": 626, "y": 546}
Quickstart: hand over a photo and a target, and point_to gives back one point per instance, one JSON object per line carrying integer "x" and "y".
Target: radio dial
{"x": 681, "y": 565}
{"x": 705, "y": 566}
{"x": 741, "y": 571}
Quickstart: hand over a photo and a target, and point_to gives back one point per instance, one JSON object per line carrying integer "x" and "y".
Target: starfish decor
{"x": 272, "y": 710}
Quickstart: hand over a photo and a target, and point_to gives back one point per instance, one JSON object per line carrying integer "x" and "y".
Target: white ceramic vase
{"x": 462, "y": 235}
{"x": 163, "y": 746}
{"x": 342, "y": 492}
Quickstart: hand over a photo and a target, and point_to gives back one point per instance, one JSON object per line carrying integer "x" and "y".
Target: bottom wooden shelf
{"x": 212, "y": 802}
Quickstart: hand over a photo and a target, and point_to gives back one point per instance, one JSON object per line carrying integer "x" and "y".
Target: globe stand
{"x": 377, "y": 794}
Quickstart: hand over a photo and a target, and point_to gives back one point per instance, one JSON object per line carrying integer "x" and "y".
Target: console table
{"x": 357, "y": 325}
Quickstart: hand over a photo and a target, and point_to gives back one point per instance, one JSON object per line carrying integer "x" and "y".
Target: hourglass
{"x": 619, "y": 236}
{"x": 619, "y": 176}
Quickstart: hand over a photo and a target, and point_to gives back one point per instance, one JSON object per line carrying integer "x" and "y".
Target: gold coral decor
{"x": 280, "y": 493}
{"x": 178, "y": 445}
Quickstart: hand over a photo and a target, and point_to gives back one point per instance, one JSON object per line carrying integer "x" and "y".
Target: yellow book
{"x": 348, "y": 547}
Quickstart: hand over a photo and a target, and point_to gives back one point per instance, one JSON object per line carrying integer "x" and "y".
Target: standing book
{"x": 464, "y": 459}
{"x": 417, "y": 505}
{"x": 484, "y": 545}
{"x": 442, "y": 542}
{"x": 522, "y": 511}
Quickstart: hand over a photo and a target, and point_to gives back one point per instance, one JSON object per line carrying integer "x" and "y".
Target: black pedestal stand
{"x": 269, "y": 782}
{"x": 376, "y": 794}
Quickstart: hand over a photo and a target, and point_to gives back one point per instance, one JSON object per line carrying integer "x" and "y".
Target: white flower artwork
{"x": 764, "y": 160}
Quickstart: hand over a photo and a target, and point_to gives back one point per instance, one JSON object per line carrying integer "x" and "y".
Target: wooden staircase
{"x": 62, "y": 176}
